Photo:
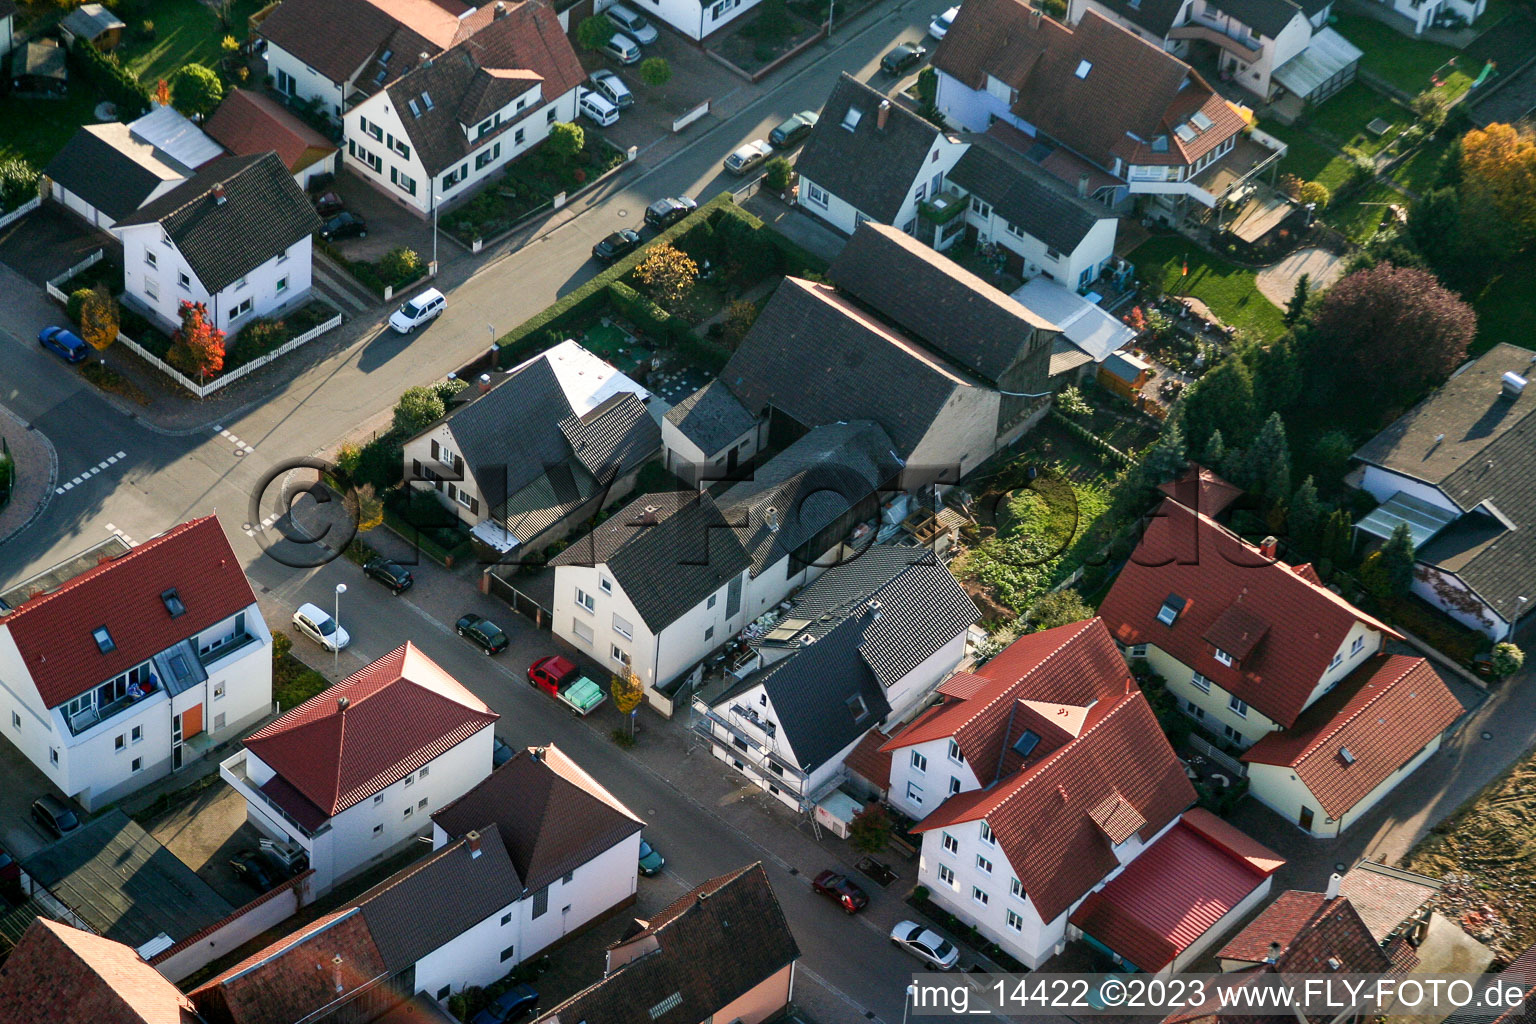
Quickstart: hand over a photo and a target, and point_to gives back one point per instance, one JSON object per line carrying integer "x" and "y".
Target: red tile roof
{"x": 1282, "y": 921}
{"x": 870, "y": 761}
{"x": 1202, "y": 490}
{"x": 1168, "y": 897}
{"x": 248, "y": 123}
{"x": 403, "y": 712}
{"x": 1383, "y": 713}
{"x": 1192, "y": 556}
{"x": 58, "y": 973}
{"x": 53, "y": 631}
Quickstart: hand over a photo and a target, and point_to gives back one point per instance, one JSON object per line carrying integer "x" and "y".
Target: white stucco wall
{"x": 418, "y": 452}
{"x": 963, "y": 434}
{"x": 281, "y": 282}
{"x": 307, "y": 82}
{"x": 1382, "y": 484}
{"x": 1278, "y": 788}
{"x": 1073, "y": 269}
{"x": 686, "y": 459}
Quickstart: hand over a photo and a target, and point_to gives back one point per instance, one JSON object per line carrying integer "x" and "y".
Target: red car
{"x": 561, "y": 679}
{"x": 838, "y": 888}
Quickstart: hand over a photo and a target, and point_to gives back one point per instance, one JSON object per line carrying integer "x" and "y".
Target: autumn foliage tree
{"x": 668, "y": 273}
{"x": 197, "y": 346}
{"x": 99, "y": 321}
{"x": 1498, "y": 175}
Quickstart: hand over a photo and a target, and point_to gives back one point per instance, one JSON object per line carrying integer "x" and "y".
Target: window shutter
{"x": 474, "y": 506}
{"x": 458, "y": 465}
{"x": 434, "y": 449}
{"x": 415, "y": 469}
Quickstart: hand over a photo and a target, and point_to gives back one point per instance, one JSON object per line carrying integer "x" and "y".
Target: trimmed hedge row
{"x": 1090, "y": 438}
{"x": 107, "y": 74}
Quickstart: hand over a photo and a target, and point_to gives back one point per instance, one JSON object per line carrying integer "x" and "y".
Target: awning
{"x": 1085, "y": 324}
{"x": 1327, "y": 55}
{"x": 1423, "y": 519}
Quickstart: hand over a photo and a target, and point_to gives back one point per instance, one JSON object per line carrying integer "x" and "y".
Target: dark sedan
{"x": 905, "y": 56}
{"x": 663, "y": 213}
{"x": 620, "y": 243}
{"x": 392, "y": 574}
{"x": 253, "y": 870}
{"x": 329, "y": 204}
{"x": 792, "y": 130}
{"x": 511, "y": 1005}
{"x": 344, "y": 225}
{"x": 483, "y": 633}
{"x": 841, "y": 891}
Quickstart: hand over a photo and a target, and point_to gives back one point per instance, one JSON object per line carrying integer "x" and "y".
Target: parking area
{"x": 50, "y": 240}
{"x": 695, "y": 78}
{"x": 205, "y": 831}
{"x": 19, "y": 835}
{"x": 390, "y": 224}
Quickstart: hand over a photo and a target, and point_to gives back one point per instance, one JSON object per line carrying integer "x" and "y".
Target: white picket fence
{"x": 206, "y": 389}
{"x": 21, "y": 211}
{"x": 57, "y": 293}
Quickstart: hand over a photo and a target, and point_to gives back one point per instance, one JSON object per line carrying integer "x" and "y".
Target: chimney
{"x": 336, "y": 963}
{"x": 218, "y": 198}
{"x": 1275, "y": 949}
{"x": 882, "y": 114}
{"x": 1034, "y": 17}
{"x": 485, "y": 383}
{"x": 1511, "y": 384}
{"x": 501, "y": 9}
{"x": 472, "y": 840}
{"x": 1082, "y": 185}
{"x": 1333, "y": 885}
{"x": 874, "y": 610}
{"x": 342, "y": 703}
{"x": 648, "y": 517}
{"x": 537, "y": 753}
{"x": 771, "y": 515}
{"x": 1269, "y": 547}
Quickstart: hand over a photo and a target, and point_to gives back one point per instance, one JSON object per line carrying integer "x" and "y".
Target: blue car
{"x": 65, "y": 343}
{"x": 509, "y": 1006}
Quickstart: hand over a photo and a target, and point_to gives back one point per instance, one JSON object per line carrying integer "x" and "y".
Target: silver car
{"x": 612, "y": 88}
{"x": 632, "y": 23}
{"x": 748, "y": 156}
{"x": 925, "y": 944}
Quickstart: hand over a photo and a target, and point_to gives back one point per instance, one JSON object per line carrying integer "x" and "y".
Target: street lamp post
{"x": 434, "y": 225}
{"x": 341, "y": 588}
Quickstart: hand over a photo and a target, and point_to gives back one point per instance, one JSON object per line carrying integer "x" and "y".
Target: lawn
{"x": 1503, "y": 306}
{"x": 1407, "y": 63}
{"x": 1360, "y": 217}
{"x": 37, "y": 129}
{"x": 1343, "y": 118}
{"x": 186, "y": 32}
{"x": 1229, "y": 290}
{"x": 1419, "y": 172}
{"x": 1309, "y": 159}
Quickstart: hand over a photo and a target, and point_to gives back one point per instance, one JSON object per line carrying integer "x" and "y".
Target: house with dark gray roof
{"x": 709, "y": 434}
{"x": 858, "y": 649}
{"x": 236, "y": 237}
{"x": 666, "y": 581}
{"x": 557, "y": 438}
{"x": 105, "y": 172}
{"x": 1459, "y": 469}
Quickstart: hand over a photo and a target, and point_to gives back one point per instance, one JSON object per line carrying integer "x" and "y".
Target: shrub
{"x": 417, "y": 407}
{"x": 347, "y": 458}
{"x": 196, "y": 89}
{"x": 870, "y": 829}
{"x": 776, "y": 174}
{"x": 668, "y": 272}
{"x": 920, "y": 894}
{"x": 400, "y": 265}
{"x": 773, "y": 25}
{"x": 1071, "y": 402}
{"x": 106, "y": 74}
{"x": 1507, "y": 659}
{"x": 77, "y": 300}
{"x": 566, "y": 139}
{"x": 258, "y": 337}
{"x": 655, "y": 72}
{"x": 595, "y": 31}
{"x": 18, "y": 183}
{"x": 379, "y": 463}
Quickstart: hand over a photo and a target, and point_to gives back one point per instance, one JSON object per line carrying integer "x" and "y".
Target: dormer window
{"x": 1026, "y": 744}
{"x": 857, "y": 708}
{"x": 173, "y": 603}
{"x": 103, "y": 639}
{"x": 1160, "y": 144}
{"x": 1083, "y": 67}
{"x": 1173, "y": 605}
{"x": 1223, "y": 657}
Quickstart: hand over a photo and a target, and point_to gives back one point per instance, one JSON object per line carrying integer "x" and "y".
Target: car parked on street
{"x": 512, "y": 1005}
{"x": 317, "y": 624}
{"x": 621, "y": 243}
{"x": 901, "y": 58}
{"x": 64, "y": 343}
{"x": 344, "y": 225}
{"x": 424, "y": 308}
{"x": 925, "y": 944}
{"x": 663, "y": 213}
{"x": 392, "y": 574}
{"x": 483, "y": 633}
{"x": 939, "y": 26}
{"x": 633, "y": 24}
{"x": 651, "y": 860}
{"x": 54, "y": 816}
{"x": 329, "y": 204}
{"x": 561, "y": 679}
{"x": 252, "y": 869}
{"x": 622, "y": 49}
{"x": 841, "y": 891}
{"x": 749, "y": 156}
{"x": 793, "y": 129}
{"x": 611, "y": 87}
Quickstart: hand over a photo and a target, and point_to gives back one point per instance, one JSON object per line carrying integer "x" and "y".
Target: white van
{"x": 423, "y": 308}
{"x": 596, "y": 108}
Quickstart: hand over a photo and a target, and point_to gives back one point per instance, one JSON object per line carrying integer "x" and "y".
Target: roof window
{"x": 1202, "y": 122}
{"x": 378, "y": 79}
{"x": 384, "y": 57}
{"x": 1168, "y": 614}
{"x": 1026, "y": 744}
{"x": 1185, "y": 132}
{"x": 104, "y": 642}
{"x": 858, "y": 708}
{"x": 415, "y": 110}
{"x": 1349, "y": 758}
{"x": 173, "y": 602}
{"x": 670, "y": 1003}
{"x": 426, "y": 99}
{"x": 1083, "y": 67}
{"x": 852, "y": 118}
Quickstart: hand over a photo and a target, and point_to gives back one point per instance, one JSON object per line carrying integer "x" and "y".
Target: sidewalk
{"x": 37, "y": 471}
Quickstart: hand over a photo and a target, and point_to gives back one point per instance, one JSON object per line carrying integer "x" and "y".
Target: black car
{"x": 253, "y": 870}
{"x": 54, "y": 815}
{"x": 620, "y": 243}
{"x": 793, "y": 130}
{"x": 392, "y": 574}
{"x": 344, "y": 225}
{"x": 903, "y": 57}
{"x": 663, "y": 213}
{"x": 509, "y": 1006}
{"x": 483, "y": 633}
{"x": 501, "y": 752}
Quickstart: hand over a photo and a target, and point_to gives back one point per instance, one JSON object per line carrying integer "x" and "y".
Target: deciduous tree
{"x": 655, "y": 72}
{"x": 1058, "y": 608}
{"x": 1498, "y": 167}
{"x": 1507, "y": 659}
{"x": 196, "y": 90}
{"x": 870, "y": 829}
{"x": 197, "y": 347}
{"x": 566, "y": 138}
{"x": 627, "y": 694}
{"x": 595, "y": 31}
{"x": 99, "y": 320}
{"x": 668, "y": 273}
{"x": 417, "y": 407}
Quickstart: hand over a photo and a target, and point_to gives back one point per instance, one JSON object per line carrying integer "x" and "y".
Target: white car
{"x": 939, "y": 26}
{"x": 632, "y": 23}
{"x": 612, "y": 88}
{"x": 422, "y": 309}
{"x": 925, "y": 944}
{"x": 595, "y": 107}
{"x": 315, "y": 623}
{"x": 748, "y": 156}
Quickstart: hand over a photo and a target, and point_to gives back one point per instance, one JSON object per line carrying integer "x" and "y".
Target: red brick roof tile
{"x": 1192, "y": 556}
{"x": 403, "y": 711}
{"x": 1383, "y": 713}
{"x": 248, "y": 123}
{"x": 870, "y": 761}
{"x": 59, "y": 973}
{"x": 1201, "y": 489}
{"x": 1282, "y": 921}
{"x": 53, "y": 631}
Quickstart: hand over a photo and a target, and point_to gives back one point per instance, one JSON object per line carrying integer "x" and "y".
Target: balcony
{"x": 92, "y": 717}
{"x": 229, "y": 647}
{"x": 942, "y": 208}
{"x": 234, "y": 772}
{"x": 1245, "y": 47}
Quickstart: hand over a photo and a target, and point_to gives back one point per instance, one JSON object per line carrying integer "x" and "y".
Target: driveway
{"x": 390, "y": 224}
{"x": 695, "y": 78}
{"x": 50, "y": 240}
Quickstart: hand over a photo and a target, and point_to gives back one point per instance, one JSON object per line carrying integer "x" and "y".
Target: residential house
{"x": 1453, "y": 469}
{"x": 696, "y": 19}
{"x": 722, "y": 951}
{"x": 1089, "y": 335}
{"x": 1438, "y": 13}
{"x": 7, "y": 27}
{"x": 857, "y": 650}
{"x": 970, "y": 365}
{"x": 1391, "y": 901}
{"x": 709, "y": 434}
{"x": 1042, "y": 782}
{"x": 671, "y": 577}
{"x": 1270, "y": 47}
{"x": 61, "y": 973}
{"x": 354, "y": 773}
{"x": 236, "y": 237}
{"x": 250, "y": 123}
{"x": 442, "y": 128}
{"x": 573, "y": 846}
{"x": 560, "y": 437}
{"x": 1268, "y": 660}
{"x": 104, "y": 173}
{"x": 129, "y": 670}
{"x": 94, "y": 24}
{"x": 1095, "y": 100}
{"x": 869, "y": 161}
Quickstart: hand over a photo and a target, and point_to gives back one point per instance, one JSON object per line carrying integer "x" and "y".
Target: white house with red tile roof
{"x": 1266, "y": 658}
{"x": 357, "y": 770}
{"x": 1038, "y": 779}
{"x": 137, "y": 666}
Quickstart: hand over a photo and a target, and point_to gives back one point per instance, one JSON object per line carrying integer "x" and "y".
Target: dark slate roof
{"x": 1156, "y": 16}
{"x": 311, "y": 31}
{"x": 613, "y": 438}
{"x": 1266, "y": 17}
{"x": 807, "y": 486}
{"x": 936, "y": 301}
{"x": 868, "y": 167}
{"x": 110, "y": 169}
{"x": 714, "y": 945}
{"x": 7, "y": 8}
{"x": 511, "y": 435}
{"x": 1024, "y": 194}
{"x": 263, "y": 213}
{"x": 711, "y": 417}
{"x": 408, "y": 915}
{"x": 668, "y": 551}
{"x": 817, "y": 358}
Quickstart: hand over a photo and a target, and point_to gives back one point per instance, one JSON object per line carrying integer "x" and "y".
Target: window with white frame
{"x": 980, "y": 208}
{"x": 53, "y": 755}
{"x": 605, "y": 584}
{"x": 1015, "y": 921}
{"x": 623, "y": 627}
{"x": 1014, "y": 230}
{"x": 1338, "y": 659}
{"x": 914, "y": 791}
{"x": 618, "y": 654}
{"x": 183, "y": 279}
{"x": 1232, "y": 734}
{"x": 947, "y": 875}
{"x": 487, "y": 156}
{"x": 582, "y": 631}
{"x": 816, "y": 195}
{"x": 1356, "y": 647}
{"x": 1016, "y": 887}
{"x": 1201, "y": 682}
{"x": 151, "y": 259}
{"x": 137, "y": 765}
{"x": 955, "y": 753}
{"x": 1223, "y": 657}
{"x": 980, "y": 895}
{"x": 986, "y": 834}
{"x": 919, "y": 762}
{"x": 949, "y": 842}
{"x": 240, "y": 309}
{"x": 281, "y": 286}
{"x": 1237, "y": 707}
{"x": 954, "y": 785}
{"x": 1138, "y": 650}
{"x": 404, "y": 182}
{"x": 711, "y": 602}
{"x": 585, "y": 600}
{"x": 137, "y": 734}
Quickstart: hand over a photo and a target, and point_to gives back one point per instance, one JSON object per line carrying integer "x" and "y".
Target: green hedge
{"x": 106, "y": 73}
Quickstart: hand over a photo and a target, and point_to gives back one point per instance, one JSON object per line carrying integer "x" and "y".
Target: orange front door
{"x": 191, "y": 722}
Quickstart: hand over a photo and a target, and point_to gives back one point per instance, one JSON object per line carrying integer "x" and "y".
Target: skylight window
{"x": 415, "y": 110}
{"x": 1185, "y": 132}
{"x": 1083, "y": 67}
{"x": 852, "y": 118}
{"x": 1347, "y": 755}
{"x": 671, "y": 1002}
{"x": 1026, "y": 744}
{"x": 1173, "y": 604}
{"x": 104, "y": 642}
{"x": 1201, "y": 121}
{"x": 426, "y": 99}
{"x": 378, "y": 79}
{"x": 858, "y": 708}
{"x": 384, "y": 57}
{"x": 173, "y": 602}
